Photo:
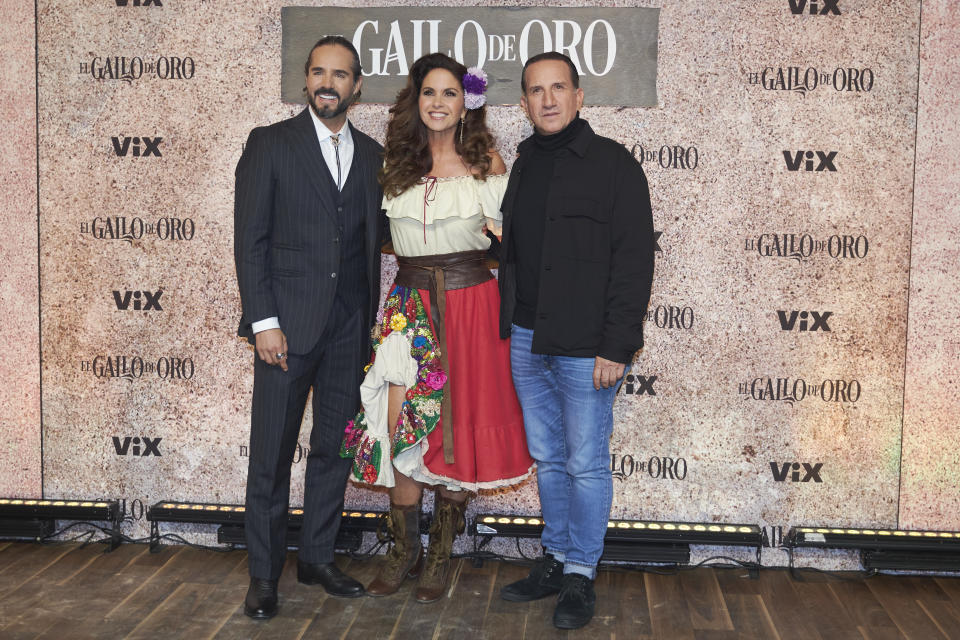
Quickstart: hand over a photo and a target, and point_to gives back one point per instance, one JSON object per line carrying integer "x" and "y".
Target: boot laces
{"x": 447, "y": 523}
{"x": 385, "y": 529}
{"x": 574, "y": 588}
{"x": 544, "y": 567}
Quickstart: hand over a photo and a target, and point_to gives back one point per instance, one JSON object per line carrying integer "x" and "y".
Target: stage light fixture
{"x": 29, "y": 518}
{"x": 856, "y": 538}
{"x": 884, "y": 549}
{"x": 631, "y": 540}
{"x": 230, "y": 517}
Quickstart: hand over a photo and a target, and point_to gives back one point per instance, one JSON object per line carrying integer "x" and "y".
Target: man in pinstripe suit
{"x": 308, "y": 232}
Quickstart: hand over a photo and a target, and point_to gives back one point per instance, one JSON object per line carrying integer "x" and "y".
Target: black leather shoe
{"x": 544, "y": 580}
{"x": 261, "y": 600}
{"x": 576, "y": 602}
{"x": 334, "y": 581}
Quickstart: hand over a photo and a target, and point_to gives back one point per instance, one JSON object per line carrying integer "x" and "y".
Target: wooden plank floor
{"x": 68, "y": 591}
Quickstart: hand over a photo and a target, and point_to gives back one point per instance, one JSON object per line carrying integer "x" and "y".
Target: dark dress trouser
{"x": 334, "y": 368}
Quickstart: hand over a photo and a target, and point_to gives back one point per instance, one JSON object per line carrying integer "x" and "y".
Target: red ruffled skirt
{"x": 489, "y": 443}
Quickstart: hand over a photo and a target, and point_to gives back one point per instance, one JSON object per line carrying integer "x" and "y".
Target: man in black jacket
{"x": 308, "y": 230}
{"x": 575, "y": 275}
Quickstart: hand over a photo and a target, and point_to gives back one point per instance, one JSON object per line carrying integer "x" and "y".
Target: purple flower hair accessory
{"x": 474, "y": 85}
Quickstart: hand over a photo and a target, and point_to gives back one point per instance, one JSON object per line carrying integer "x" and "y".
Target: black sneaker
{"x": 576, "y": 602}
{"x": 544, "y": 580}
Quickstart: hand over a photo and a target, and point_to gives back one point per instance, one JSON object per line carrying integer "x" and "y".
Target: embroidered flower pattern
{"x": 397, "y": 321}
{"x": 436, "y": 379}
{"x": 420, "y": 413}
{"x": 430, "y": 407}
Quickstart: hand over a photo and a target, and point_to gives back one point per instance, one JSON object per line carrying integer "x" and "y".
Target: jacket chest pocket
{"x": 581, "y": 230}
{"x": 287, "y": 261}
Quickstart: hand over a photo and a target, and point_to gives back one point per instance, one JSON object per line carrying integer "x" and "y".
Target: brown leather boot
{"x": 448, "y": 521}
{"x": 405, "y": 558}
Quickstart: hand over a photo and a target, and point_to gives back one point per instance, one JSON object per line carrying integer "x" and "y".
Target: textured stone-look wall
{"x": 931, "y": 465}
{"x": 20, "y": 438}
{"x": 755, "y": 396}
{"x": 781, "y": 164}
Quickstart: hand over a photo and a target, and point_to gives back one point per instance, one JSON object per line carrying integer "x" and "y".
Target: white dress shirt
{"x": 329, "y": 153}
{"x": 345, "y": 150}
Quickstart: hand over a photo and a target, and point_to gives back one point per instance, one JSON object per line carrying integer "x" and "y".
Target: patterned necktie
{"x": 335, "y": 138}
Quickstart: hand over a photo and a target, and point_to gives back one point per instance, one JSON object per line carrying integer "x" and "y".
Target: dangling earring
{"x": 462, "y": 124}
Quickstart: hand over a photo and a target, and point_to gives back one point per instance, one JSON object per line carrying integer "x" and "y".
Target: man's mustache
{"x": 316, "y": 94}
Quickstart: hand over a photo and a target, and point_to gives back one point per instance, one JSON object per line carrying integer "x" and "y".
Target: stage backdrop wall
{"x": 20, "y": 450}
{"x": 801, "y": 159}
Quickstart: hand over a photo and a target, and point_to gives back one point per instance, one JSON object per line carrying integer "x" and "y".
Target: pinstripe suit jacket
{"x": 286, "y": 228}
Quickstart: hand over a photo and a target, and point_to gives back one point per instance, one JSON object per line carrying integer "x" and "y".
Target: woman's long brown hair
{"x": 406, "y": 154}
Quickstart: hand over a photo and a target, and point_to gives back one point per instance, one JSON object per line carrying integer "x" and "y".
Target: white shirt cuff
{"x": 266, "y": 323}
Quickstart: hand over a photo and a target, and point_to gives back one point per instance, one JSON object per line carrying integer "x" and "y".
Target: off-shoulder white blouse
{"x": 445, "y": 215}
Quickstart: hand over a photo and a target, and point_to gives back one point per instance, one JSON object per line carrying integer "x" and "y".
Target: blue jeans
{"x": 568, "y": 425}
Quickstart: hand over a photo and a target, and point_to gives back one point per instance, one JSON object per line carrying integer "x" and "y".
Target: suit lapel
{"x": 364, "y": 161}
{"x": 364, "y": 165}
{"x": 358, "y": 160}
{"x": 307, "y": 149}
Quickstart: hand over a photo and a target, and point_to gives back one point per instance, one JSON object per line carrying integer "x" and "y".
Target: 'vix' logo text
{"x": 815, "y": 8}
{"x": 142, "y": 300}
{"x": 151, "y": 446}
{"x": 150, "y": 146}
{"x": 810, "y": 471}
{"x": 639, "y": 385}
{"x": 804, "y": 159}
{"x": 818, "y": 320}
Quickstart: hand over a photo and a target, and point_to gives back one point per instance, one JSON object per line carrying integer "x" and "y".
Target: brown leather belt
{"x": 439, "y": 274}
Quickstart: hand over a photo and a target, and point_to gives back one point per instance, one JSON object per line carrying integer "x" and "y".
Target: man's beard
{"x": 328, "y": 111}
